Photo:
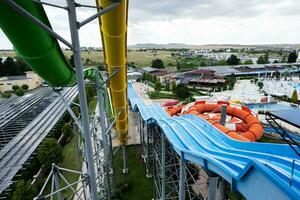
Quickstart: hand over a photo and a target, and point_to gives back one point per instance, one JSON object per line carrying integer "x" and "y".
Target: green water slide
{"x": 38, "y": 48}
{"x": 34, "y": 45}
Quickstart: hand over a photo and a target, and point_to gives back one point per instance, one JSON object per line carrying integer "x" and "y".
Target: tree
{"x": 67, "y": 130}
{"x": 1, "y": 67}
{"x": 20, "y": 92}
{"x": 233, "y": 60}
{"x": 90, "y": 92}
{"x": 157, "y": 86}
{"x": 25, "y": 87}
{"x": 292, "y": 57}
{"x": 294, "y": 97}
{"x": 6, "y": 94}
{"x": 248, "y": 62}
{"x": 222, "y": 62}
{"x": 72, "y": 61}
{"x": 173, "y": 86}
{"x": 23, "y": 191}
{"x": 182, "y": 92}
{"x": 260, "y": 84}
{"x": 144, "y": 77}
{"x": 263, "y": 59}
{"x": 157, "y": 63}
{"x": 50, "y": 152}
{"x": 9, "y": 67}
{"x": 167, "y": 87}
{"x": 15, "y": 87}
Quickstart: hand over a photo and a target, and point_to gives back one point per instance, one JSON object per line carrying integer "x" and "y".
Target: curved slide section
{"x": 34, "y": 45}
{"x": 256, "y": 170}
{"x": 113, "y": 28}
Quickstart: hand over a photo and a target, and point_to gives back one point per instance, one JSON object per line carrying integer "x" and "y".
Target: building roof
{"x": 201, "y": 71}
{"x": 13, "y": 78}
{"x": 200, "y": 80}
{"x": 149, "y": 69}
{"x": 160, "y": 73}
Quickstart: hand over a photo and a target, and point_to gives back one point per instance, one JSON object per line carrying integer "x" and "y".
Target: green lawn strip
{"x": 71, "y": 161}
{"x": 92, "y": 105}
{"x": 160, "y": 95}
{"x": 134, "y": 185}
{"x": 270, "y": 140}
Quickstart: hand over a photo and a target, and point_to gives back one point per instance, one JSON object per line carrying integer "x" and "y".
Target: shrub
{"x": 15, "y": 87}
{"x": 157, "y": 86}
{"x": 6, "y": 94}
{"x": 19, "y": 92}
{"x": 182, "y": 92}
{"x": 167, "y": 87}
{"x": 23, "y": 191}
{"x": 294, "y": 97}
{"x": 50, "y": 152}
{"x": 67, "y": 130}
{"x": 260, "y": 84}
{"x": 25, "y": 87}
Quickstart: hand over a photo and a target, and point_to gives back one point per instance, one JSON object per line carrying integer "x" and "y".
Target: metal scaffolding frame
{"x": 95, "y": 141}
{"x": 173, "y": 177}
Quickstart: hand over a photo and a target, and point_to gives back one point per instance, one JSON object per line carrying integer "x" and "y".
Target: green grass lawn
{"x": 160, "y": 95}
{"x": 92, "y": 105}
{"x": 71, "y": 161}
{"x": 134, "y": 185}
{"x": 270, "y": 140}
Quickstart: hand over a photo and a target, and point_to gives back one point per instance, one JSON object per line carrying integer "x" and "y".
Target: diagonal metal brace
{"x": 25, "y": 13}
{"x": 70, "y": 111}
{"x": 101, "y": 12}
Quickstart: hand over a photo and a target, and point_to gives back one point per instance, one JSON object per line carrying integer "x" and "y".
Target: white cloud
{"x": 194, "y": 22}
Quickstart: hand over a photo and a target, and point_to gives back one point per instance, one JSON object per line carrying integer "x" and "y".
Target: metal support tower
{"x": 90, "y": 177}
{"x": 173, "y": 177}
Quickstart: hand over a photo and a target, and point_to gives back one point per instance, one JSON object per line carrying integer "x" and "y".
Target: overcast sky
{"x": 193, "y": 22}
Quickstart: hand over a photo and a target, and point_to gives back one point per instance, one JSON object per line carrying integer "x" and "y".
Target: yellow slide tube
{"x": 113, "y": 28}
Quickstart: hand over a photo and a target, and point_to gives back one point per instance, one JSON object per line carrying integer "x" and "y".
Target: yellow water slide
{"x": 113, "y": 28}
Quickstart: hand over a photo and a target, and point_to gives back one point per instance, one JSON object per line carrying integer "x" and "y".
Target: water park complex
{"x": 241, "y": 143}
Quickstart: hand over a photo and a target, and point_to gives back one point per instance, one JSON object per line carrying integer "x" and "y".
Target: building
{"x": 163, "y": 75}
{"x": 201, "y": 78}
{"x": 31, "y": 79}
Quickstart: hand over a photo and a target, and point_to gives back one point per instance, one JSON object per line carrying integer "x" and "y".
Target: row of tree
{"x": 262, "y": 59}
{"x": 13, "y": 67}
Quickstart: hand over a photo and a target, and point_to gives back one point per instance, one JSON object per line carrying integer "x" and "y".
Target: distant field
{"x": 138, "y": 58}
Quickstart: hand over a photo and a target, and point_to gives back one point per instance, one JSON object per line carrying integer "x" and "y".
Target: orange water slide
{"x": 248, "y": 128}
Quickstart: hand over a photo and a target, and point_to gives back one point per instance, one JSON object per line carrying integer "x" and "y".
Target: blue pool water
{"x": 269, "y": 106}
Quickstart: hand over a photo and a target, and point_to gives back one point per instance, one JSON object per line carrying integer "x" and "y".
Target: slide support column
{"x": 181, "y": 178}
{"x": 216, "y": 188}
{"x": 82, "y": 97}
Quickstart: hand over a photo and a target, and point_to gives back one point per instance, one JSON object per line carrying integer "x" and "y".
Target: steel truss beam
{"x": 173, "y": 176}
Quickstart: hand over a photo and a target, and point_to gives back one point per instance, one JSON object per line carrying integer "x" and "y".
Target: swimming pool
{"x": 269, "y": 106}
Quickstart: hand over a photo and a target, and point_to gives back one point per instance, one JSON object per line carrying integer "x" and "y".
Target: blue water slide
{"x": 256, "y": 170}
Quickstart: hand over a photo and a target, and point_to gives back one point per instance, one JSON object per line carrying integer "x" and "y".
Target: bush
{"x": 182, "y": 92}
{"x": 157, "y": 86}
{"x": 19, "y": 92}
{"x": 25, "y": 87}
{"x": 67, "y": 130}
{"x": 260, "y": 84}
{"x": 158, "y": 95}
{"x": 90, "y": 92}
{"x": 167, "y": 87}
{"x": 50, "y": 152}
{"x": 15, "y": 87}
{"x": 294, "y": 97}
{"x": 6, "y": 94}
{"x": 23, "y": 191}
